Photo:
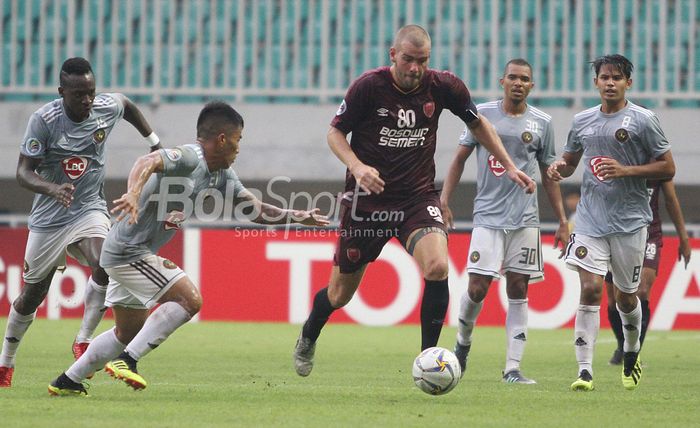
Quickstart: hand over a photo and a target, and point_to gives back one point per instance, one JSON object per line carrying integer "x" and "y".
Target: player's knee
{"x": 99, "y": 275}
{"x": 591, "y": 294}
{"x": 435, "y": 270}
{"x": 30, "y": 297}
{"x": 338, "y": 298}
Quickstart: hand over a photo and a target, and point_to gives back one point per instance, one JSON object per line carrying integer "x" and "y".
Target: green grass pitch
{"x": 231, "y": 374}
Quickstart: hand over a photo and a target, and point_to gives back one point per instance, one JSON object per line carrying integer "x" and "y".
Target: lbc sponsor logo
{"x": 495, "y": 166}
{"x": 595, "y": 167}
{"x": 74, "y": 167}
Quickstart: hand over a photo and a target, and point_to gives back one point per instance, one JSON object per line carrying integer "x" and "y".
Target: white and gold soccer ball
{"x": 436, "y": 371}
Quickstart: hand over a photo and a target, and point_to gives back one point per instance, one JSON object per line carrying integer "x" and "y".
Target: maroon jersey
{"x": 395, "y": 132}
{"x": 654, "y": 230}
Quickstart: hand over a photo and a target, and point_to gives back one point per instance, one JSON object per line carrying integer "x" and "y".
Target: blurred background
{"x": 285, "y": 66}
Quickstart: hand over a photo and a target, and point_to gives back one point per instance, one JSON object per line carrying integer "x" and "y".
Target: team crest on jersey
{"x": 33, "y": 146}
{"x": 495, "y": 166}
{"x": 99, "y": 136}
{"x": 74, "y": 167}
{"x": 168, "y": 264}
{"x": 526, "y": 137}
{"x": 622, "y": 135}
{"x": 474, "y": 257}
{"x": 581, "y": 252}
{"x": 353, "y": 254}
{"x": 341, "y": 109}
{"x": 173, "y": 154}
{"x": 174, "y": 220}
{"x": 429, "y": 109}
{"x": 595, "y": 166}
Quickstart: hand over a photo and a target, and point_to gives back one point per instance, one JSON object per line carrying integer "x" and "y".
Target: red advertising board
{"x": 269, "y": 275}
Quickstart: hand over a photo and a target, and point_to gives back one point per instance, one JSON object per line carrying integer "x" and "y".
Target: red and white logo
{"x": 174, "y": 220}
{"x": 74, "y": 167}
{"x": 429, "y": 109}
{"x": 595, "y": 166}
{"x": 496, "y": 167}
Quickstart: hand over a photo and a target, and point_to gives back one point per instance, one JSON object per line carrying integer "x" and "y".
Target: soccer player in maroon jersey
{"x": 652, "y": 256}
{"x": 392, "y": 113}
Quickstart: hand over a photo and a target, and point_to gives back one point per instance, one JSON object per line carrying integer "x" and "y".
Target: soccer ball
{"x": 436, "y": 371}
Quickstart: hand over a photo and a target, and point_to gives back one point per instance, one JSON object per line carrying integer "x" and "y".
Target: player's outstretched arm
{"x": 271, "y": 214}
{"x": 29, "y": 179}
{"x": 133, "y": 115}
{"x": 487, "y": 136}
{"x": 673, "y": 207}
{"x": 553, "y": 192}
{"x": 453, "y": 176}
{"x": 367, "y": 177}
{"x": 128, "y": 203}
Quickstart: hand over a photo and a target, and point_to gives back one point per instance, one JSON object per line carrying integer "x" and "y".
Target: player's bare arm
{"x": 366, "y": 176}
{"x": 133, "y": 115}
{"x": 487, "y": 136}
{"x": 29, "y": 179}
{"x": 673, "y": 207}
{"x": 565, "y": 166}
{"x": 128, "y": 203}
{"x": 661, "y": 168}
{"x": 271, "y": 214}
{"x": 553, "y": 191}
{"x": 454, "y": 173}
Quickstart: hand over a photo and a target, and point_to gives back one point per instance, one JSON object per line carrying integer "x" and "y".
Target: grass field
{"x": 225, "y": 374}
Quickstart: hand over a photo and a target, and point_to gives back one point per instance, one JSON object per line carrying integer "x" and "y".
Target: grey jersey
{"x": 72, "y": 153}
{"x": 632, "y": 136}
{"x": 167, "y": 199}
{"x": 529, "y": 140}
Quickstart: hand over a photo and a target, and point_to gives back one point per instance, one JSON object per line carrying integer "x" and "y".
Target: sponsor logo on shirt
{"x": 495, "y": 166}
{"x": 99, "y": 136}
{"x": 595, "y": 166}
{"x": 174, "y": 220}
{"x": 74, "y": 167}
{"x": 402, "y": 138}
{"x": 382, "y": 112}
{"x": 33, "y": 146}
{"x": 429, "y": 109}
{"x": 341, "y": 109}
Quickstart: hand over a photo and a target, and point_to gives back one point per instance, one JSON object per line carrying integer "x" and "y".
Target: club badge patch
{"x": 495, "y": 166}
{"x": 341, "y": 109}
{"x": 353, "y": 254}
{"x": 474, "y": 257}
{"x": 173, "y": 154}
{"x": 99, "y": 136}
{"x": 526, "y": 137}
{"x": 168, "y": 264}
{"x": 581, "y": 252}
{"x": 622, "y": 135}
{"x": 33, "y": 146}
{"x": 429, "y": 109}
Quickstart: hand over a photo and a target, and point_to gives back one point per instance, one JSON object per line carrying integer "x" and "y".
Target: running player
{"x": 506, "y": 235}
{"x": 129, "y": 255}
{"x": 62, "y": 160}
{"x": 392, "y": 113}
{"x": 618, "y": 142}
{"x": 652, "y": 256}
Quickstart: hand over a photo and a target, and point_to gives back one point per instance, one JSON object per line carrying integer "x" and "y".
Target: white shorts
{"x": 622, "y": 254}
{"x": 139, "y": 285}
{"x": 493, "y": 251}
{"x": 47, "y": 250}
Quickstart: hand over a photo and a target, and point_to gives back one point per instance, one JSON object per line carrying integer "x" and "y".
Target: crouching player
{"x": 141, "y": 278}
